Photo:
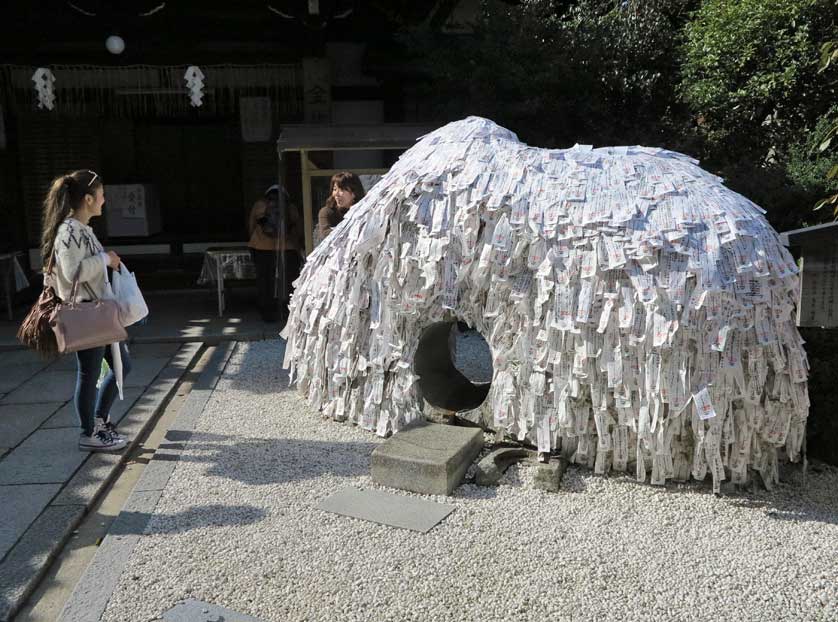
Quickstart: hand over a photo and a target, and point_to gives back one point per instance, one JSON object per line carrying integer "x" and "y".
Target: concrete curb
{"x": 93, "y": 591}
{"x": 31, "y": 556}
{"x": 209, "y": 340}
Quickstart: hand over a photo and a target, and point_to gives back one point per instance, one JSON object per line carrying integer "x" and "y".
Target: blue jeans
{"x": 90, "y": 403}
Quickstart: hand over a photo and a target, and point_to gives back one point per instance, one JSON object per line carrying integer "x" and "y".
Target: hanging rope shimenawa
{"x": 154, "y": 91}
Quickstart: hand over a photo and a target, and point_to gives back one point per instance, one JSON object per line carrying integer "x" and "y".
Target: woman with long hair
{"x": 70, "y": 249}
{"x": 345, "y": 190}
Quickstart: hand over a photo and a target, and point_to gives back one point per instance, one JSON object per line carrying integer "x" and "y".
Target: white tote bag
{"x": 132, "y": 306}
{"x": 116, "y": 353}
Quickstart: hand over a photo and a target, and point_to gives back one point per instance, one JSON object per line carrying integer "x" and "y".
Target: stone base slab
{"x": 428, "y": 458}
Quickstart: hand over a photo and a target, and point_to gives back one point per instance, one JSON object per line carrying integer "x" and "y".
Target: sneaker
{"x": 101, "y": 441}
{"x": 108, "y": 427}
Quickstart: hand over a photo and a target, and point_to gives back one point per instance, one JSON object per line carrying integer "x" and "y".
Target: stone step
{"x": 428, "y": 458}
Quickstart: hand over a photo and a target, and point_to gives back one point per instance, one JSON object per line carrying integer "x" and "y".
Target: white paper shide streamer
{"x": 44, "y": 87}
{"x": 638, "y": 312}
{"x": 195, "y": 83}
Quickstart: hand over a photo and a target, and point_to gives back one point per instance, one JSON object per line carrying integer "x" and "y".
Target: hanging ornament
{"x": 44, "y": 80}
{"x": 115, "y": 44}
{"x": 195, "y": 83}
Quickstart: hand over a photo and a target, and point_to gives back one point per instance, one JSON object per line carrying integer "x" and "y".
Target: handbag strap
{"x": 50, "y": 262}
{"x": 48, "y": 282}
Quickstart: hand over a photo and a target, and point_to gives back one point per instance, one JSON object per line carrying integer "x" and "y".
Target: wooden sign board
{"x": 819, "y": 286}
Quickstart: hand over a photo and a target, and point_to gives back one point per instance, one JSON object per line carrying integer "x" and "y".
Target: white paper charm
{"x": 195, "y": 83}
{"x": 44, "y": 87}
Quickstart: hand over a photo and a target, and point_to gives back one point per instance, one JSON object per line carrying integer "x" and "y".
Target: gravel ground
{"x": 236, "y": 527}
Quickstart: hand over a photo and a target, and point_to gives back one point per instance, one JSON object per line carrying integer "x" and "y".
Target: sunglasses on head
{"x": 92, "y": 179}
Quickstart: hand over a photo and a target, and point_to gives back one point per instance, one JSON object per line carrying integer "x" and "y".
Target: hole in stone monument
{"x": 454, "y": 365}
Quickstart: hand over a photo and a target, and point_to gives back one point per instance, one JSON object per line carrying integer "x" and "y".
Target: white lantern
{"x": 115, "y": 44}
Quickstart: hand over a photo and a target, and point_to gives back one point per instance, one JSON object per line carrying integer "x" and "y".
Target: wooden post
{"x": 308, "y": 216}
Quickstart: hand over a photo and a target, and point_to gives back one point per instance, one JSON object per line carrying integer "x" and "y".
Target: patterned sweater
{"x": 76, "y": 247}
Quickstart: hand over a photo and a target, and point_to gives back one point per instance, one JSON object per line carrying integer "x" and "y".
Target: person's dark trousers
{"x": 89, "y": 402}
{"x": 293, "y": 264}
{"x": 272, "y": 307}
{"x": 265, "y": 262}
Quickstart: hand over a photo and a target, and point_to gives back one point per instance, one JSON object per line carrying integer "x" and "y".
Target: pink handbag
{"x": 83, "y": 325}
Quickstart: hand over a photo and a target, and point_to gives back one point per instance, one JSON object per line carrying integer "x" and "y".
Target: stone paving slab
{"x": 95, "y": 473}
{"x": 20, "y": 506}
{"x": 47, "y": 386}
{"x": 46, "y": 457}
{"x": 66, "y": 362}
{"x": 158, "y": 471}
{"x": 134, "y": 517}
{"x": 29, "y": 559}
{"x": 65, "y": 417}
{"x": 144, "y": 368}
{"x": 15, "y": 374}
{"x": 21, "y": 356}
{"x": 186, "y": 353}
{"x": 135, "y": 419}
{"x": 58, "y": 384}
{"x": 143, "y": 372}
{"x": 89, "y": 480}
{"x": 199, "y": 611}
{"x": 154, "y": 350}
{"x": 386, "y": 508}
{"x": 17, "y": 421}
{"x": 121, "y": 407}
{"x": 160, "y": 352}
{"x": 92, "y": 592}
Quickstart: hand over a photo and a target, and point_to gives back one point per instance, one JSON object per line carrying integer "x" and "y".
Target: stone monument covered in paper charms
{"x": 640, "y": 315}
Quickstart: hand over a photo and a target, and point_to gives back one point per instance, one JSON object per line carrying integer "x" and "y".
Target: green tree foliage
{"x": 811, "y": 160}
{"x": 557, "y": 72}
{"x": 824, "y": 136}
{"x": 750, "y": 74}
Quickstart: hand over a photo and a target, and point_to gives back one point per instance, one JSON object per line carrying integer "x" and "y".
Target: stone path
{"x": 46, "y": 483}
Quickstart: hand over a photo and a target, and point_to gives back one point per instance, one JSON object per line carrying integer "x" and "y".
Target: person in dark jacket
{"x": 276, "y": 245}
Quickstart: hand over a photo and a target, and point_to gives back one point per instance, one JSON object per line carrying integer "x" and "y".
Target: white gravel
{"x": 236, "y": 527}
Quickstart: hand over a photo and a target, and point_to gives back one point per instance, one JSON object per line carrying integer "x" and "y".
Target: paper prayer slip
{"x": 616, "y": 288}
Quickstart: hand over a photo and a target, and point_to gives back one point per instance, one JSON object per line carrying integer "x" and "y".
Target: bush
{"x": 750, "y": 73}
{"x": 808, "y": 166}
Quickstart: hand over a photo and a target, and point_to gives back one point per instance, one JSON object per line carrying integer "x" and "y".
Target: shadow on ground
{"x": 261, "y": 461}
{"x": 814, "y": 501}
{"x": 197, "y": 517}
{"x": 792, "y": 500}
{"x": 275, "y": 378}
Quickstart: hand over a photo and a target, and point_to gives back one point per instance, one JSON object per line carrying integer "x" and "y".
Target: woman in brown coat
{"x": 276, "y": 245}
